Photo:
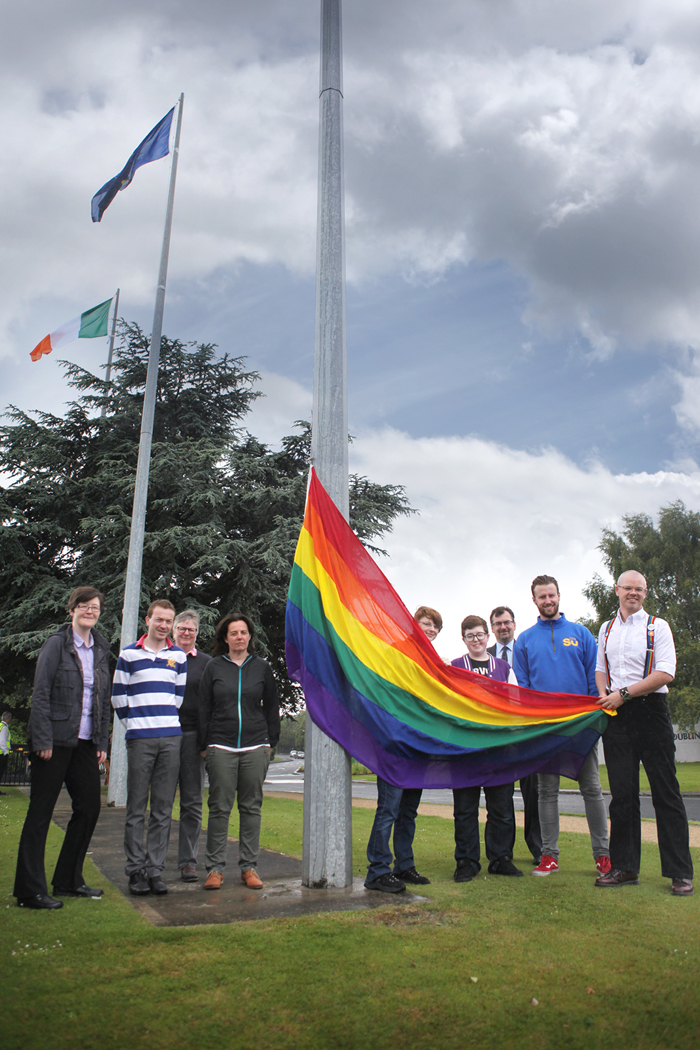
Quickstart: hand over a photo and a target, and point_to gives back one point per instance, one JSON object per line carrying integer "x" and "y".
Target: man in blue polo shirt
{"x": 558, "y": 656}
{"x": 147, "y": 692}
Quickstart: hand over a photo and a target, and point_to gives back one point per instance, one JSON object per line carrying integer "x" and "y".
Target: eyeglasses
{"x": 503, "y": 623}
{"x": 186, "y": 630}
{"x": 82, "y": 607}
{"x": 475, "y": 637}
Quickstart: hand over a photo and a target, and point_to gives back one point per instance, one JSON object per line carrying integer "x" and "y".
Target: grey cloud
{"x": 559, "y": 137}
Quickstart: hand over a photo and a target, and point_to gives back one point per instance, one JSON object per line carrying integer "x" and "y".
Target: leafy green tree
{"x": 668, "y": 555}
{"x": 292, "y": 733}
{"x": 223, "y": 516}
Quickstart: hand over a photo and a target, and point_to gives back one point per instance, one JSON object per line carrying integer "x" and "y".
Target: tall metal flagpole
{"x": 327, "y": 849}
{"x": 108, "y": 373}
{"x": 132, "y": 590}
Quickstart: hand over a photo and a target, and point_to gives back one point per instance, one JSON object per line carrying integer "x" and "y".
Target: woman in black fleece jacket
{"x": 239, "y": 724}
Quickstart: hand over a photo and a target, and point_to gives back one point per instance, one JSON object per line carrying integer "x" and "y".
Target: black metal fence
{"x": 16, "y": 772}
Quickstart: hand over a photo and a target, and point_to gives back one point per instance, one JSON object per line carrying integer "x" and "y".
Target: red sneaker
{"x": 546, "y": 866}
{"x": 603, "y": 865}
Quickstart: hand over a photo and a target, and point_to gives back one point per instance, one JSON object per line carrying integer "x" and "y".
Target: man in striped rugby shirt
{"x": 147, "y": 692}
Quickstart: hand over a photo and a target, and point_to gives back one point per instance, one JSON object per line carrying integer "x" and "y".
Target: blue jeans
{"x": 396, "y": 808}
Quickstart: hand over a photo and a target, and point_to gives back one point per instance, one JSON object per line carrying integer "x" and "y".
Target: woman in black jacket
{"x": 67, "y": 737}
{"x": 239, "y": 724}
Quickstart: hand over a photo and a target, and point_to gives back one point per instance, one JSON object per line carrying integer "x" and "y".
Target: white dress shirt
{"x": 508, "y": 655}
{"x": 627, "y": 650}
{"x": 86, "y": 655}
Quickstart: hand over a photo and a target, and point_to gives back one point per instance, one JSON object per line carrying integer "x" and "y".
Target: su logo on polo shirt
{"x": 571, "y": 641}
{"x": 172, "y": 663}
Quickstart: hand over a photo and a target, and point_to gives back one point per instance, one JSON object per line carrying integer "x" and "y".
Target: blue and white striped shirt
{"x": 148, "y": 689}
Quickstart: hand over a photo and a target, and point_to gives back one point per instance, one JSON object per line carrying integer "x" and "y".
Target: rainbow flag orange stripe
{"x": 373, "y": 682}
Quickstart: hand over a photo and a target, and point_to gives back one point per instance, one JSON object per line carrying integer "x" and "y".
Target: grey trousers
{"x": 154, "y": 763}
{"x": 231, "y": 774}
{"x": 191, "y": 783}
{"x": 596, "y": 813}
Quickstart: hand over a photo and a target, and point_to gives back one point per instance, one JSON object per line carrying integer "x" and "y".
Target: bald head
{"x": 631, "y": 590}
{"x": 632, "y": 578}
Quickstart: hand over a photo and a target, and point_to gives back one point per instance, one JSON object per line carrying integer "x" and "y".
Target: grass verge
{"x": 616, "y": 967}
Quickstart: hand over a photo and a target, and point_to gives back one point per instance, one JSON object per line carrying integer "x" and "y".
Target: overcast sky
{"x": 523, "y": 247}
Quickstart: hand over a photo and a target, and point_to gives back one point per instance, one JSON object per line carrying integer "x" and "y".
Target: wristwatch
{"x": 625, "y": 693}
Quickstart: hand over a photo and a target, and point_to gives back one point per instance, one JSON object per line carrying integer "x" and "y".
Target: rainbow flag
{"x": 374, "y": 683}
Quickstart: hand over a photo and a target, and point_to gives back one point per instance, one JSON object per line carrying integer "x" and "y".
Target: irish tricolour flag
{"x": 89, "y": 325}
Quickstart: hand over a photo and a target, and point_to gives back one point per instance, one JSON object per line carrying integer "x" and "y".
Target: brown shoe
{"x": 188, "y": 873}
{"x": 682, "y": 888}
{"x": 215, "y": 881}
{"x": 618, "y": 878}
{"x": 251, "y": 879}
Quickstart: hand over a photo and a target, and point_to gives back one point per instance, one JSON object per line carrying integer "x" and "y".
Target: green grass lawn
{"x": 608, "y": 968}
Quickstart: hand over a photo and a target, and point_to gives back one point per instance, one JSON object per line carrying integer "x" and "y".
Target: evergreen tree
{"x": 223, "y": 515}
{"x": 668, "y": 555}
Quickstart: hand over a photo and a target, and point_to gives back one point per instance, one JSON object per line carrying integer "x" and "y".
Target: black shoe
{"x": 188, "y": 873}
{"x": 465, "y": 871}
{"x": 412, "y": 876}
{"x": 386, "y": 884}
{"x": 39, "y": 900}
{"x": 79, "y": 891}
{"x": 138, "y": 884}
{"x": 618, "y": 878}
{"x": 503, "y": 866}
{"x": 157, "y": 886}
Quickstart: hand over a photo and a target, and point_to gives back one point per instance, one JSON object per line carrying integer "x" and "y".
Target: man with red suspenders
{"x": 636, "y": 662}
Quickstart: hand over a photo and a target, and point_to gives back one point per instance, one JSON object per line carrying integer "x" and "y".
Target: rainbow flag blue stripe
{"x": 373, "y": 682}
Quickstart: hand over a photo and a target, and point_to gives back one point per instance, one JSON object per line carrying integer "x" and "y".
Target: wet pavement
{"x": 189, "y": 904}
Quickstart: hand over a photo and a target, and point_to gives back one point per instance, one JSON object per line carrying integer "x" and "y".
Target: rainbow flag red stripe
{"x": 373, "y": 682}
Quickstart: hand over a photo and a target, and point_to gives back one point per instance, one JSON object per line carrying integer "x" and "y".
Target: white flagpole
{"x": 108, "y": 373}
{"x": 327, "y": 848}
{"x": 132, "y": 590}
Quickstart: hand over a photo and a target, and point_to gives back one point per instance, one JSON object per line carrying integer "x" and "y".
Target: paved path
{"x": 566, "y": 823}
{"x": 281, "y": 776}
{"x": 188, "y": 904}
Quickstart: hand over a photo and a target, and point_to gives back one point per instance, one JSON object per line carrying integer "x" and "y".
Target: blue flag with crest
{"x": 155, "y": 146}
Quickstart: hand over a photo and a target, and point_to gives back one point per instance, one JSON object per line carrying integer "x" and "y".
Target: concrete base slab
{"x": 189, "y": 904}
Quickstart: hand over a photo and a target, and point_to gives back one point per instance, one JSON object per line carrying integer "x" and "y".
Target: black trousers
{"x": 78, "y": 767}
{"x": 642, "y": 732}
{"x": 529, "y": 788}
{"x": 499, "y": 835}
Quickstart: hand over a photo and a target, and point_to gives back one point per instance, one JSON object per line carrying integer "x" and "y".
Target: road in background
{"x": 282, "y": 776}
